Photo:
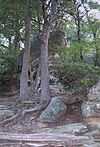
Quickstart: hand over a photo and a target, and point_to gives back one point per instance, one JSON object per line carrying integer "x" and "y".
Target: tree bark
{"x": 48, "y": 24}
{"x": 26, "y": 56}
{"x": 45, "y": 96}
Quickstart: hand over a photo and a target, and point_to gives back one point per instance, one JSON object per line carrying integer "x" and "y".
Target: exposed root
{"x": 11, "y": 119}
{"x": 37, "y": 109}
{"x": 21, "y": 114}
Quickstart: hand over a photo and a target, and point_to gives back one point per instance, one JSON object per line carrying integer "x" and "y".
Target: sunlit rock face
{"x": 91, "y": 108}
{"x": 94, "y": 93}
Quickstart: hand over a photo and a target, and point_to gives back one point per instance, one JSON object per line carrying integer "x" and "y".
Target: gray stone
{"x": 55, "y": 111}
{"x": 94, "y": 93}
{"x": 73, "y": 128}
{"x": 87, "y": 109}
{"x": 90, "y": 109}
{"x": 91, "y": 145}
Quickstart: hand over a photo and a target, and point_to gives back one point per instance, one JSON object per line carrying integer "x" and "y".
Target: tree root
{"x": 37, "y": 109}
{"x": 21, "y": 114}
{"x": 11, "y": 119}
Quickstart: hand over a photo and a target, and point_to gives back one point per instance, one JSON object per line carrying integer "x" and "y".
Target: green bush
{"x": 78, "y": 75}
{"x": 8, "y": 65}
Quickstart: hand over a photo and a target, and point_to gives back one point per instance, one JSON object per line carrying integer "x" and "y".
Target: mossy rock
{"x": 54, "y": 112}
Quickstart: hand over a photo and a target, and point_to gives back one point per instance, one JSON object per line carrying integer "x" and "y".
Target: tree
{"x": 11, "y": 21}
{"x": 77, "y": 15}
{"x": 26, "y": 56}
{"x": 95, "y": 28}
{"x": 49, "y": 13}
{"x": 94, "y": 24}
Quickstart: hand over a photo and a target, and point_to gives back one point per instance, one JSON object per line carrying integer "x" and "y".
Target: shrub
{"x": 8, "y": 65}
{"x": 78, "y": 75}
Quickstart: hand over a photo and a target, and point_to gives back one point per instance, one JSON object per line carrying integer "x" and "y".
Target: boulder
{"x": 55, "y": 111}
{"x": 94, "y": 93}
{"x": 90, "y": 109}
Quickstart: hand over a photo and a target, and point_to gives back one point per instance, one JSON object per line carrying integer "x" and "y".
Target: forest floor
{"x": 29, "y": 132}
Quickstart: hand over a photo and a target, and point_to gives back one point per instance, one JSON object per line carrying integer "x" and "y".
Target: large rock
{"x": 55, "y": 111}
{"x": 94, "y": 93}
{"x": 90, "y": 109}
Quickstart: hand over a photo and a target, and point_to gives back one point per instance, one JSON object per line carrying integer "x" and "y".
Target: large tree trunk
{"x": 26, "y": 56}
{"x": 45, "y": 93}
{"x": 45, "y": 96}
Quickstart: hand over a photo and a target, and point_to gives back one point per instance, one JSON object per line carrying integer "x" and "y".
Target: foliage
{"x": 78, "y": 75}
{"x": 8, "y": 64}
{"x": 73, "y": 73}
{"x": 72, "y": 53}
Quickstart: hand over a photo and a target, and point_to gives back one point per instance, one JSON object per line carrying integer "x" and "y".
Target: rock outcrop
{"x": 91, "y": 108}
{"x": 55, "y": 111}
